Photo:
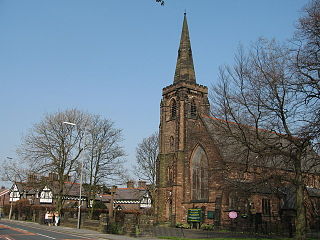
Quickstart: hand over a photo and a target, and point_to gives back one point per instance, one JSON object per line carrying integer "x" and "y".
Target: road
{"x": 12, "y": 230}
{"x": 19, "y": 230}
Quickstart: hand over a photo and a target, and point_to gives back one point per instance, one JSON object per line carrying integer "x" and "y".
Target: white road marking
{"x": 49, "y": 230}
{"x": 45, "y": 236}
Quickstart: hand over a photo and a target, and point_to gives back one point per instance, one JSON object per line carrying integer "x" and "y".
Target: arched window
{"x": 199, "y": 175}
{"x": 173, "y": 109}
{"x": 193, "y": 109}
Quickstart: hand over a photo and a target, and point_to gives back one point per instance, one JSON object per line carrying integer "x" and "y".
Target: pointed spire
{"x": 184, "y": 68}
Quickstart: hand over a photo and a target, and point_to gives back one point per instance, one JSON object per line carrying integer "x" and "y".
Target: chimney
{"x": 142, "y": 184}
{"x": 53, "y": 177}
{"x": 32, "y": 178}
{"x": 130, "y": 184}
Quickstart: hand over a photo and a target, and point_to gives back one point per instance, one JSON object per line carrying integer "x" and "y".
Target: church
{"x": 197, "y": 181}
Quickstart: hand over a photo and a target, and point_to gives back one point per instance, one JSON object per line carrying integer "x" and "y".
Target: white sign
{"x": 233, "y": 214}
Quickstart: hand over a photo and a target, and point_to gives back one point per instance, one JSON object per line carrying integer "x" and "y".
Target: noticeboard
{"x": 194, "y": 215}
{"x": 210, "y": 215}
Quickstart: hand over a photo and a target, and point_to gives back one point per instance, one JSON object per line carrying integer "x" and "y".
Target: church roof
{"x": 232, "y": 143}
{"x": 185, "y": 68}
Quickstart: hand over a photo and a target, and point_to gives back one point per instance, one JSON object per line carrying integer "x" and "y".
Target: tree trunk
{"x": 60, "y": 198}
{"x": 301, "y": 210}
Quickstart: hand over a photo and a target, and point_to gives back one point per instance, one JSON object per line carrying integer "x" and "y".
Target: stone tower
{"x": 182, "y": 104}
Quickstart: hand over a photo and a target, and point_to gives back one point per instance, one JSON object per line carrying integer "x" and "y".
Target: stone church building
{"x": 194, "y": 172}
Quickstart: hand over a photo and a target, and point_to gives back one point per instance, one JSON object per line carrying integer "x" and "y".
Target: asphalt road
{"x": 10, "y": 230}
{"x": 20, "y": 230}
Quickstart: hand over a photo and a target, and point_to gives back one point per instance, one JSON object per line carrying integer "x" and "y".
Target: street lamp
{"x": 11, "y": 193}
{"x": 80, "y": 192}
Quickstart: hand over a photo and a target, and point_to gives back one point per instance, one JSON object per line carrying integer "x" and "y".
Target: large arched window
{"x": 173, "y": 109}
{"x": 199, "y": 175}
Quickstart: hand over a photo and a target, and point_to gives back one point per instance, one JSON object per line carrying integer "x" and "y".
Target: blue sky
{"x": 113, "y": 57}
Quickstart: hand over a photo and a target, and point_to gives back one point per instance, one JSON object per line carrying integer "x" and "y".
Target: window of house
{"x": 199, "y": 171}
{"x": 266, "y": 207}
{"x": 173, "y": 108}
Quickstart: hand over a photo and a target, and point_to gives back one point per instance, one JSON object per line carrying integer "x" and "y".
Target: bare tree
{"x": 263, "y": 115}
{"x": 306, "y": 61}
{"x": 307, "y": 40}
{"x": 52, "y": 146}
{"x": 146, "y": 156}
{"x": 160, "y": 1}
{"x": 12, "y": 170}
{"x": 103, "y": 154}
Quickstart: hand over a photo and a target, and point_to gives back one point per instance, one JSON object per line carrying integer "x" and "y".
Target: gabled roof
{"x": 70, "y": 188}
{"x": 130, "y": 193}
{"x": 134, "y": 194}
{"x": 28, "y": 188}
{"x": 234, "y": 150}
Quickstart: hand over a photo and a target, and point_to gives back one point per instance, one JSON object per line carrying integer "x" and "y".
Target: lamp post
{"x": 11, "y": 193}
{"x": 10, "y": 212}
{"x": 80, "y": 191}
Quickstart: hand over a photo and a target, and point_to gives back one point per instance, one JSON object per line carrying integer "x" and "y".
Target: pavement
{"x": 80, "y": 232}
{"x": 90, "y": 234}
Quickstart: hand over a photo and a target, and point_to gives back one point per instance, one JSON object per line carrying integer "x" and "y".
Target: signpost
{"x": 194, "y": 215}
{"x": 233, "y": 215}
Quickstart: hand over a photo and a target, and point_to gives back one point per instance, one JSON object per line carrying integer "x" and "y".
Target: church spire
{"x": 184, "y": 68}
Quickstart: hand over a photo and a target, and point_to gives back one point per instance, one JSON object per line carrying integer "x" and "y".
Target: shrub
{"x": 114, "y": 228}
{"x": 207, "y": 227}
{"x": 183, "y": 225}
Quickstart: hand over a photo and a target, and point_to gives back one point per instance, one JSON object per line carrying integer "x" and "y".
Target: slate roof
{"x": 134, "y": 194}
{"x": 233, "y": 151}
{"x": 70, "y": 188}
{"x": 129, "y": 193}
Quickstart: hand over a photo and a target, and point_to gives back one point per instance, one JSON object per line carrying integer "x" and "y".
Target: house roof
{"x": 129, "y": 193}
{"x": 70, "y": 188}
{"x": 134, "y": 194}
{"x": 4, "y": 192}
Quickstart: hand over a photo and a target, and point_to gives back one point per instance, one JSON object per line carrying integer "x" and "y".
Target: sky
{"x": 113, "y": 57}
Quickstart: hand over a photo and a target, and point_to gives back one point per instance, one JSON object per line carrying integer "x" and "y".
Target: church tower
{"x": 182, "y": 105}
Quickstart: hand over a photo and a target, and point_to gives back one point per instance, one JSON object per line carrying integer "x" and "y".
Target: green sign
{"x": 194, "y": 215}
{"x": 210, "y": 215}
